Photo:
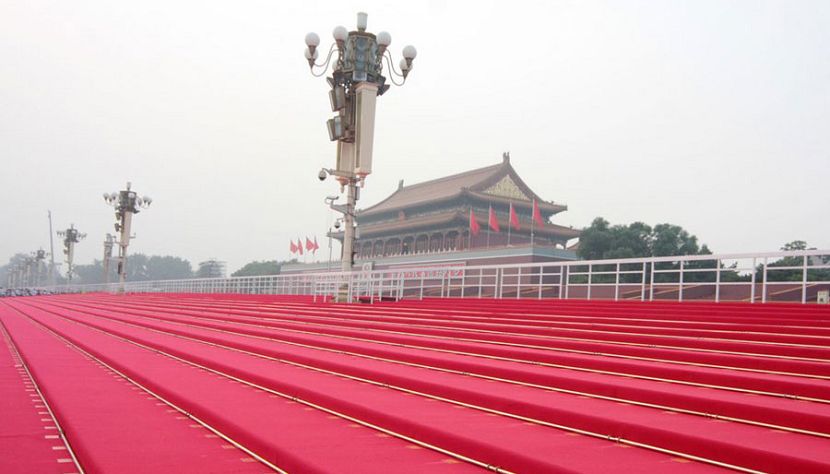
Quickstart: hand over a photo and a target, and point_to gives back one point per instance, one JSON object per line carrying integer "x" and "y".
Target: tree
{"x": 139, "y": 268}
{"x": 257, "y": 268}
{"x": 795, "y": 274}
{"x": 18, "y": 258}
{"x": 668, "y": 240}
{"x": 795, "y": 245}
{"x": 94, "y": 273}
{"x": 211, "y": 269}
{"x": 602, "y": 241}
{"x": 168, "y": 268}
{"x": 596, "y": 240}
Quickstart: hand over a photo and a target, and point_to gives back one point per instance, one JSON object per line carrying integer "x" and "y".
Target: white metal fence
{"x": 797, "y": 276}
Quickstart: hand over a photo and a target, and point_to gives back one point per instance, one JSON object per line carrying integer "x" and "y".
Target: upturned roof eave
{"x": 492, "y": 169}
{"x": 494, "y": 174}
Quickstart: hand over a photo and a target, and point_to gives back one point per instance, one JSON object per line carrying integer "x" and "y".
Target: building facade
{"x": 434, "y": 216}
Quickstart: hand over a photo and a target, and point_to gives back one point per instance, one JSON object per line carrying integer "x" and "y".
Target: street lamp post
{"x": 330, "y": 202}
{"x": 71, "y": 236}
{"x": 108, "y": 244}
{"x": 14, "y": 276}
{"x": 39, "y": 257}
{"x": 51, "y": 253}
{"x": 27, "y": 271}
{"x": 356, "y": 81}
{"x": 126, "y": 203}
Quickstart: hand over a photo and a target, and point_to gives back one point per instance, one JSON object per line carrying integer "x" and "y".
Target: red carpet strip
{"x": 730, "y": 443}
{"x": 30, "y": 440}
{"x": 505, "y": 385}
{"x": 112, "y": 425}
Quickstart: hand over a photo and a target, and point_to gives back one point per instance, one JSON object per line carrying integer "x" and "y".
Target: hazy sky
{"x": 714, "y": 115}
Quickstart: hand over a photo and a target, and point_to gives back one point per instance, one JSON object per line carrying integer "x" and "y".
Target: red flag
{"x": 537, "y": 216}
{"x": 293, "y": 247}
{"x": 494, "y": 221}
{"x": 316, "y": 247}
{"x": 474, "y": 227}
{"x": 514, "y": 218}
{"x": 309, "y": 245}
{"x": 300, "y": 246}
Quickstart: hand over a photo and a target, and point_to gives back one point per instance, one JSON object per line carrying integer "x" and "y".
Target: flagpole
{"x": 489, "y": 214}
{"x": 470, "y": 231}
{"x": 532, "y": 221}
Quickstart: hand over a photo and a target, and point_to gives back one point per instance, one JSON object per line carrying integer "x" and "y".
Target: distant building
{"x": 211, "y": 269}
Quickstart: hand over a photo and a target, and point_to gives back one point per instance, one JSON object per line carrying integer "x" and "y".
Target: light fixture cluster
{"x": 360, "y": 57}
{"x": 71, "y": 236}
{"x": 127, "y": 200}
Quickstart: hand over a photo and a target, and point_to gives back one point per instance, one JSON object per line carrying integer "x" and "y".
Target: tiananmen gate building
{"x": 430, "y": 222}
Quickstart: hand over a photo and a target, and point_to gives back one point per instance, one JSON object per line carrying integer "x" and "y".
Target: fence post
{"x": 651, "y": 284}
{"x": 590, "y": 279}
{"x": 617, "y": 283}
{"x": 680, "y": 291}
{"x": 764, "y": 282}
{"x": 643, "y": 283}
{"x": 567, "y": 280}
{"x": 541, "y": 275}
{"x": 519, "y": 284}
{"x": 804, "y": 280}
{"x": 717, "y": 282}
{"x": 443, "y": 278}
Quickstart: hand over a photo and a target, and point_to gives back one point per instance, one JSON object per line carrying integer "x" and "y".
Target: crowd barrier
{"x": 794, "y": 276}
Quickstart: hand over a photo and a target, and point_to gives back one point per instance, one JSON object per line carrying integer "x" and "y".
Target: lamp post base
{"x": 342, "y": 295}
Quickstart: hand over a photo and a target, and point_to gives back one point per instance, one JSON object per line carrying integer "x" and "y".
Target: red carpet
{"x": 427, "y": 386}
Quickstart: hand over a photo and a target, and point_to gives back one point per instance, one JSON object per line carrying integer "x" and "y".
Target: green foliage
{"x": 602, "y": 241}
{"x": 796, "y": 245}
{"x": 257, "y": 268}
{"x": 210, "y": 269}
{"x": 6, "y": 269}
{"x": 167, "y": 268}
{"x": 795, "y": 274}
{"x": 93, "y": 273}
{"x": 139, "y": 268}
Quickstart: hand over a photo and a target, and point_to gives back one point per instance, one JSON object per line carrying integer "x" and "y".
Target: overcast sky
{"x": 714, "y": 115}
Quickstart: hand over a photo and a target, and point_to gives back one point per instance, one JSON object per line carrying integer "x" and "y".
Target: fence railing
{"x": 795, "y": 276}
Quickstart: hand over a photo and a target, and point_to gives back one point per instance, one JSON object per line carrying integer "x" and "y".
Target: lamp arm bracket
{"x": 324, "y": 65}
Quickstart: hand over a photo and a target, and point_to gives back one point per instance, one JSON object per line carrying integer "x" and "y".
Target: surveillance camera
{"x": 336, "y": 224}
{"x": 322, "y": 175}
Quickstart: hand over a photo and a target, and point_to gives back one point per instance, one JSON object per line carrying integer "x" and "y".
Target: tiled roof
{"x": 432, "y": 190}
